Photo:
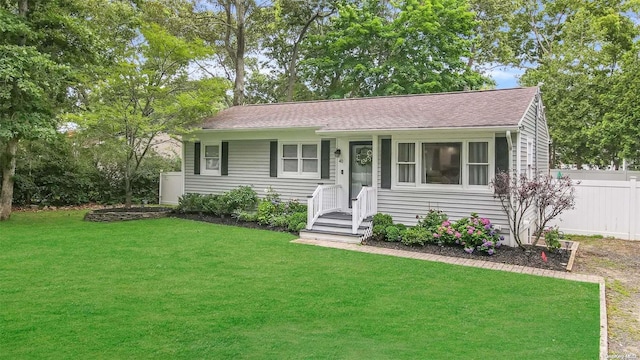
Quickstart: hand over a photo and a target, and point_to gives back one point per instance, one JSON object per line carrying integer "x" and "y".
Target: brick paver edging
{"x": 484, "y": 265}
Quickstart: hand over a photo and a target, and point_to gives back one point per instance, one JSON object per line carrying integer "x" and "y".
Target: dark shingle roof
{"x": 446, "y": 110}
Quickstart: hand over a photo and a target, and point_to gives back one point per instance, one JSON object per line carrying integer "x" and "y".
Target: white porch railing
{"x": 363, "y": 206}
{"x": 325, "y": 199}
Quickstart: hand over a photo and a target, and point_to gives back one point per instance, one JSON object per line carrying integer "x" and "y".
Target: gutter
{"x": 389, "y": 131}
{"x": 535, "y": 144}
{"x": 284, "y": 128}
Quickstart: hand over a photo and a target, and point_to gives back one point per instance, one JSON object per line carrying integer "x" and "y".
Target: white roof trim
{"x": 394, "y": 130}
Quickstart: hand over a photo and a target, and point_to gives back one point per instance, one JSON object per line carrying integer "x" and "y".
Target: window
{"x": 210, "y": 159}
{"x": 441, "y": 163}
{"x": 406, "y": 162}
{"x": 300, "y": 159}
{"x": 529, "y": 158}
{"x": 478, "y": 163}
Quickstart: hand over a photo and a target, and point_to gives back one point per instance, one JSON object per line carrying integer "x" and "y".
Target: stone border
{"x": 486, "y": 265}
{"x": 604, "y": 334}
{"x": 104, "y": 215}
{"x": 572, "y": 258}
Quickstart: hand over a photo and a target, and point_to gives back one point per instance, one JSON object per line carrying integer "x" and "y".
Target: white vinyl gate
{"x": 171, "y": 187}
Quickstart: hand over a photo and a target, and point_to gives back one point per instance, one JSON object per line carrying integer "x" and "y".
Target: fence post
{"x": 633, "y": 207}
{"x": 309, "y": 212}
{"x": 160, "y": 190}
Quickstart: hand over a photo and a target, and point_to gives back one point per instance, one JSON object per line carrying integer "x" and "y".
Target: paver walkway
{"x": 453, "y": 260}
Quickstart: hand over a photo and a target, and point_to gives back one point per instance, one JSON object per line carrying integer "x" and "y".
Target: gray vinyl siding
{"x": 541, "y": 146}
{"x": 249, "y": 165}
{"x": 527, "y": 133}
{"x": 541, "y": 150}
{"x": 404, "y": 205}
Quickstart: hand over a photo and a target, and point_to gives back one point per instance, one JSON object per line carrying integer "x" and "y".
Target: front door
{"x": 360, "y": 167}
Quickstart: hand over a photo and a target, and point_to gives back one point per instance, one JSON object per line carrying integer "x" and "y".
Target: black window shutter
{"x": 224, "y": 167}
{"x": 325, "y": 158}
{"x": 502, "y": 155}
{"x": 273, "y": 159}
{"x": 385, "y": 163}
{"x": 196, "y": 158}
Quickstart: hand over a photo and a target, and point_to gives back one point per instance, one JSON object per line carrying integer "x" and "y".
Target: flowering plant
{"x": 476, "y": 233}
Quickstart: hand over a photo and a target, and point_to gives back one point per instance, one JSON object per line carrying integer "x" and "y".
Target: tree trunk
{"x": 291, "y": 80}
{"x": 8, "y": 172}
{"x": 128, "y": 192}
{"x": 238, "y": 87}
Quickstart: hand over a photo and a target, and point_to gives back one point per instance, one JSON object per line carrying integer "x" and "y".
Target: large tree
{"x": 232, "y": 28}
{"x": 573, "y": 49}
{"x": 47, "y": 48}
{"x": 378, "y": 48}
{"x": 148, "y": 94}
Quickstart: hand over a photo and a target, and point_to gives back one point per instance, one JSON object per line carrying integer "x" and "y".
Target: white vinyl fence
{"x": 171, "y": 187}
{"x": 604, "y": 207}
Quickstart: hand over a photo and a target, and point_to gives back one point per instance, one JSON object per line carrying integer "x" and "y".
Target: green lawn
{"x": 173, "y": 288}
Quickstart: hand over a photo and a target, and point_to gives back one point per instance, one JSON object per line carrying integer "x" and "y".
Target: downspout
{"x": 535, "y": 144}
{"x": 511, "y": 172}
{"x": 510, "y": 146}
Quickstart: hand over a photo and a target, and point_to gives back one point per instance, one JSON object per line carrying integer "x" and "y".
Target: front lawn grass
{"x": 172, "y": 288}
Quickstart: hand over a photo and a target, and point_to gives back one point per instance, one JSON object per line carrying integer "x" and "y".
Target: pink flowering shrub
{"x": 474, "y": 234}
{"x": 477, "y": 234}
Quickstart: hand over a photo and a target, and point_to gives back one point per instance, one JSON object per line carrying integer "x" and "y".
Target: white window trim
{"x": 490, "y": 156}
{"x": 203, "y": 163}
{"x": 529, "y": 165}
{"x": 464, "y": 164}
{"x": 299, "y": 174}
{"x": 414, "y": 163}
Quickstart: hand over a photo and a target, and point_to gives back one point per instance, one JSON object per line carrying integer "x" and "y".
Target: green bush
{"x": 294, "y": 206}
{"x": 281, "y": 221}
{"x": 432, "y": 220}
{"x": 190, "y": 203}
{"x": 380, "y": 222}
{"x": 393, "y": 233}
{"x": 240, "y": 198}
{"x": 552, "y": 238}
{"x": 212, "y": 204}
{"x": 266, "y": 211}
{"x": 230, "y": 203}
{"x": 297, "y": 221}
{"x": 246, "y": 216}
{"x": 416, "y": 235}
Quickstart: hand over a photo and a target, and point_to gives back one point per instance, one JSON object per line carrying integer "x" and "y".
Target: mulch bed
{"x": 532, "y": 257}
{"x": 226, "y": 221}
{"x": 132, "y": 209}
{"x": 505, "y": 254}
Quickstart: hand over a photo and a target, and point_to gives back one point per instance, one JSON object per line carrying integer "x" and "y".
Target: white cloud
{"x": 505, "y": 77}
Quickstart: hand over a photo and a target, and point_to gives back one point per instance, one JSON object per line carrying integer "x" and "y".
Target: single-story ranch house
{"x": 352, "y": 158}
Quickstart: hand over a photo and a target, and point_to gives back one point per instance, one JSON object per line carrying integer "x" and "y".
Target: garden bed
{"x": 125, "y": 214}
{"x": 226, "y": 221}
{"x": 532, "y": 257}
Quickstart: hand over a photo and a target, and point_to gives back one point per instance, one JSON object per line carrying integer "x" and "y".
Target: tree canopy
{"x": 127, "y": 70}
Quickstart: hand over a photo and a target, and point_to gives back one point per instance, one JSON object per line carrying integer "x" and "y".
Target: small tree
{"x": 149, "y": 93}
{"x": 519, "y": 196}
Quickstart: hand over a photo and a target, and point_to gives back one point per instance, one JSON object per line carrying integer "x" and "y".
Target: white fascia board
{"x": 526, "y": 111}
{"x": 259, "y": 134}
{"x": 404, "y": 130}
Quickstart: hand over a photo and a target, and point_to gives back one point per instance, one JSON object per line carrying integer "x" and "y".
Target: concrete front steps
{"x": 336, "y": 226}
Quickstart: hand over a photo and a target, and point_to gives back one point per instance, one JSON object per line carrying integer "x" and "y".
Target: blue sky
{"x": 505, "y": 77}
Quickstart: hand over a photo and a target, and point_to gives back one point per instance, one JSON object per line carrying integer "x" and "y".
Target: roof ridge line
{"x": 385, "y": 97}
